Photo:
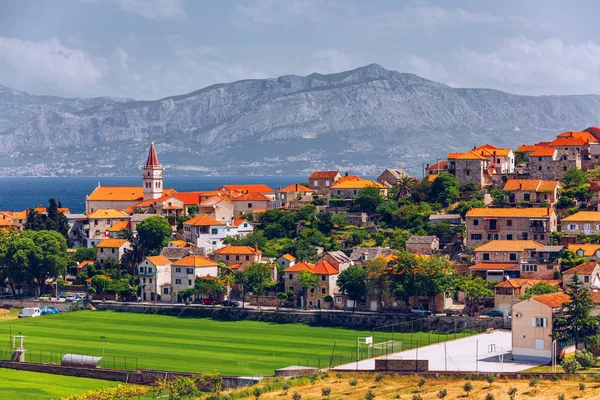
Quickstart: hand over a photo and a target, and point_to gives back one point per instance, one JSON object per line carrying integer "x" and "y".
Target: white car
{"x": 30, "y": 312}
{"x": 70, "y": 297}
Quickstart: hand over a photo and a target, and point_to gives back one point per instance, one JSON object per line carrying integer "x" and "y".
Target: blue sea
{"x": 20, "y": 193}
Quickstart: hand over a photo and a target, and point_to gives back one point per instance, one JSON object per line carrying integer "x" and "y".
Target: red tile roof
{"x": 498, "y": 266}
{"x": 245, "y": 250}
{"x": 251, "y": 197}
{"x": 324, "y": 175}
{"x": 438, "y": 166}
{"x": 250, "y": 188}
{"x": 543, "y": 152}
{"x": 152, "y": 160}
{"x": 587, "y": 268}
{"x": 295, "y": 187}
{"x": 203, "y": 220}
{"x": 553, "y": 300}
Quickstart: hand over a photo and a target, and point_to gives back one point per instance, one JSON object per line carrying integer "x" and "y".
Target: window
{"x": 498, "y": 161}
{"x": 150, "y": 280}
{"x": 291, "y": 289}
{"x": 101, "y": 250}
{"x": 149, "y": 270}
{"x": 227, "y": 258}
{"x": 339, "y": 192}
{"x": 291, "y": 276}
{"x": 323, "y": 277}
{"x": 538, "y": 322}
{"x": 178, "y": 270}
{"x": 178, "y": 281}
{"x": 475, "y": 236}
{"x": 539, "y": 344}
{"x": 525, "y": 236}
{"x": 247, "y": 258}
{"x": 486, "y": 256}
{"x": 475, "y": 222}
{"x": 512, "y": 256}
{"x": 586, "y": 279}
{"x": 245, "y": 224}
{"x": 312, "y": 290}
{"x": 327, "y": 183}
{"x": 565, "y": 168}
{"x": 249, "y": 205}
{"x": 144, "y": 280}
{"x": 189, "y": 282}
{"x": 509, "y": 222}
{"x": 468, "y": 172}
{"x": 113, "y": 251}
{"x": 322, "y": 290}
{"x": 237, "y": 258}
{"x": 316, "y": 183}
{"x": 540, "y": 167}
{"x": 529, "y": 268}
{"x": 189, "y": 271}
{"x": 166, "y": 290}
{"x": 509, "y": 236}
{"x": 214, "y": 231}
{"x": 580, "y": 253}
{"x": 493, "y": 236}
{"x": 572, "y": 227}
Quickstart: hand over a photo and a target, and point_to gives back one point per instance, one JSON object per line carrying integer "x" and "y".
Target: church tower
{"x": 153, "y": 180}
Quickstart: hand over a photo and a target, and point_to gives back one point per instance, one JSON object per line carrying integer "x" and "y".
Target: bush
{"x": 417, "y": 397}
{"x": 585, "y": 359}
{"x": 296, "y": 396}
{"x": 257, "y": 392}
{"x": 490, "y": 379}
{"x": 581, "y": 386}
{"x": 378, "y": 377}
{"x": 533, "y": 382}
{"x": 442, "y": 394}
{"x": 561, "y": 397}
{"x": 596, "y": 377}
{"x": 286, "y": 386}
{"x": 570, "y": 365}
{"x": 512, "y": 393}
{"x": 326, "y": 391}
{"x": 353, "y": 382}
{"x": 468, "y": 387}
{"x": 338, "y": 375}
{"x": 313, "y": 378}
{"x": 369, "y": 395}
{"x": 421, "y": 383}
{"x": 489, "y": 396}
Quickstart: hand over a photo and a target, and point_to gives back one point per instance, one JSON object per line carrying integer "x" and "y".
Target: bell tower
{"x": 152, "y": 176}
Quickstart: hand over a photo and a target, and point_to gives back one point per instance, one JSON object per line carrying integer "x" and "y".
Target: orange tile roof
{"x": 288, "y": 257}
{"x": 158, "y": 260}
{"x": 563, "y": 141}
{"x": 119, "y": 226}
{"x": 179, "y": 243}
{"x": 585, "y": 136}
{"x": 211, "y": 201}
{"x": 301, "y": 266}
{"x": 244, "y": 250}
{"x": 324, "y": 175}
{"x": 194, "y": 261}
{"x": 589, "y": 250}
{"x": 438, "y": 166}
{"x": 527, "y": 148}
{"x": 108, "y": 214}
{"x": 112, "y": 243}
{"x": 20, "y": 214}
{"x": 510, "y": 212}
{"x": 584, "y": 216}
{"x": 251, "y": 197}
{"x": 487, "y": 150}
{"x": 587, "y": 268}
{"x": 362, "y": 184}
{"x": 543, "y": 152}
{"x": 431, "y": 177}
{"x": 518, "y": 282}
{"x": 498, "y": 266}
{"x": 250, "y": 188}
{"x": 129, "y": 210}
{"x": 324, "y": 267}
{"x": 235, "y": 266}
{"x": 469, "y": 155}
{"x": 553, "y": 300}
{"x": 537, "y": 185}
{"x": 189, "y": 198}
{"x": 124, "y": 193}
{"x": 296, "y": 187}
{"x": 509, "y": 245}
{"x": 349, "y": 178}
{"x": 203, "y": 220}
{"x": 85, "y": 263}
{"x": 239, "y": 221}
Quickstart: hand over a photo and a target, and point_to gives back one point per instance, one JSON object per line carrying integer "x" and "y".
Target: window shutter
{"x": 533, "y": 322}
{"x": 544, "y": 322}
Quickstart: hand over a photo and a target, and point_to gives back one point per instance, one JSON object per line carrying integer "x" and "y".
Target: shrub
{"x": 326, "y": 391}
{"x": 554, "y": 378}
{"x": 313, "y": 378}
{"x": 286, "y": 386}
{"x": 533, "y": 382}
{"x": 512, "y": 393}
{"x": 353, "y": 382}
{"x": 257, "y": 392}
{"x": 338, "y": 375}
{"x": 468, "y": 387}
{"x": 581, "y": 386}
{"x": 442, "y": 394}
{"x": 378, "y": 377}
{"x": 417, "y": 397}
{"x": 489, "y": 396}
{"x": 369, "y": 395}
{"x": 570, "y": 365}
{"x": 325, "y": 375}
{"x": 296, "y": 396}
{"x": 585, "y": 359}
{"x": 421, "y": 383}
{"x": 561, "y": 397}
{"x": 596, "y": 377}
{"x": 490, "y": 379}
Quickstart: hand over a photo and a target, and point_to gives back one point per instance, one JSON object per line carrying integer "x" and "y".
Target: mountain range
{"x": 358, "y": 121}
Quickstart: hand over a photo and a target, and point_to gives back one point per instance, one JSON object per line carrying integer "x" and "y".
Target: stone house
{"x": 293, "y": 196}
{"x": 588, "y": 273}
{"x": 322, "y": 181}
{"x": 238, "y": 255}
{"x": 485, "y": 224}
{"x": 391, "y": 176}
{"x": 136, "y": 219}
{"x": 338, "y": 259}
{"x": 154, "y": 274}
{"x": 349, "y": 189}
{"x": 185, "y": 271}
{"x": 589, "y": 251}
{"x": 327, "y": 275}
{"x": 508, "y": 293}
{"x": 532, "y": 325}
{"x": 166, "y": 205}
{"x": 550, "y": 163}
{"x": 426, "y": 245}
{"x": 100, "y": 222}
{"x": 217, "y": 207}
{"x": 586, "y": 222}
{"x": 249, "y": 203}
{"x": 111, "y": 249}
{"x": 452, "y": 219}
{"x": 286, "y": 261}
{"x": 260, "y": 188}
{"x": 361, "y": 254}
{"x": 535, "y": 191}
{"x": 435, "y": 169}
{"x": 478, "y": 165}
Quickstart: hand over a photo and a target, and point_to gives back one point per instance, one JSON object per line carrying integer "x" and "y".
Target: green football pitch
{"x": 37, "y": 386}
{"x": 187, "y": 344}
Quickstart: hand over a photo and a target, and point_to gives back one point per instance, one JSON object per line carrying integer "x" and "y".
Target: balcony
{"x": 145, "y": 272}
{"x": 537, "y": 228}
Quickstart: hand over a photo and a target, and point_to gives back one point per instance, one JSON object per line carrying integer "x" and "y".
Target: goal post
{"x": 361, "y": 343}
{"x": 387, "y": 347}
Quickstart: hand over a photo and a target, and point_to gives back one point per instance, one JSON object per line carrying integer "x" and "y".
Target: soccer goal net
{"x": 387, "y": 347}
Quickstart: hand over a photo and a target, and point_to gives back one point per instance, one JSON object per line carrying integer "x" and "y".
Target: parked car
{"x": 28, "y": 312}
{"x": 209, "y": 302}
{"x": 70, "y": 297}
{"x": 49, "y": 310}
{"x": 230, "y": 303}
{"x": 420, "y": 310}
{"x": 45, "y": 297}
{"x": 495, "y": 313}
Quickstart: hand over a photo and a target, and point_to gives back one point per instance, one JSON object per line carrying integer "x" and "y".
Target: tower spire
{"x": 152, "y": 160}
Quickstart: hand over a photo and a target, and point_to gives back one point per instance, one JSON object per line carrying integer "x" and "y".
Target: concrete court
{"x": 461, "y": 355}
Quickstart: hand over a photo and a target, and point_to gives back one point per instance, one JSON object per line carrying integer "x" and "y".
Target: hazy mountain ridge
{"x": 361, "y": 120}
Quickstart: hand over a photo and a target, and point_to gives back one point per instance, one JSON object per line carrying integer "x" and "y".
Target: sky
{"x": 149, "y": 49}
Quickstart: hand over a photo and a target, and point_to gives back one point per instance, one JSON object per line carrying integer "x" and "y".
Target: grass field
{"x": 186, "y": 344}
{"x": 37, "y": 386}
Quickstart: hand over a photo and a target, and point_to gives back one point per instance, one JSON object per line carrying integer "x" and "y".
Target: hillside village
{"x": 491, "y": 230}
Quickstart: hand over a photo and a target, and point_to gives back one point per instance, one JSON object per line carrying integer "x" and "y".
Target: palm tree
{"x": 405, "y": 187}
{"x": 133, "y": 256}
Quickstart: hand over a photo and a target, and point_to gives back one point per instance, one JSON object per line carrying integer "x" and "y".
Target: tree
{"x": 307, "y": 281}
{"x": 444, "y": 189}
{"x": 574, "y": 177}
{"x": 15, "y": 261}
{"x": 133, "y": 256}
{"x": 569, "y": 260}
{"x": 240, "y": 279}
{"x": 475, "y": 290}
{"x": 378, "y": 281}
{"x": 351, "y": 283}
{"x": 154, "y": 233}
{"x": 258, "y": 279}
{"x": 48, "y": 258}
{"x": 368, "y": 199}
{"x": 577, "y": 325}
{"x": 52, "y": 220}
{"x": 538, "y": 289}
{"x": 404, "y": 187}
{"x": 101, "y": 284}
{"x": 84, "y": 253}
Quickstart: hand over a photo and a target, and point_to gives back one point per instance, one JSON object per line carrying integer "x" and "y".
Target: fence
{"x": 50, "y": 357}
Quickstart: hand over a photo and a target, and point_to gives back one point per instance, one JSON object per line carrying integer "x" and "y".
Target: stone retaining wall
{"x": 399, "y": 365}
{"x": 59, "y": 305}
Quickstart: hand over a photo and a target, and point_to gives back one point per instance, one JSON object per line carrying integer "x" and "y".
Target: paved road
{"x": 466, "y": 354}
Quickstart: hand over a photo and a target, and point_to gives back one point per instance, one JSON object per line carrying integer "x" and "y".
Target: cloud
{"x": 50, "y": 63}
{"x": 154, "y": 9}
{"x": 330, "y": 61}
{"x": 530, "y": 66}
{"x": 427, "y": 68}
{"x": 278, "y": 12}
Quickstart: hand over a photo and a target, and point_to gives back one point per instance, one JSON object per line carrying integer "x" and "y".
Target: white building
{"x": 207, "y": 233}
{"x": 155, "y": 275}
{"x": 185, "y": 271}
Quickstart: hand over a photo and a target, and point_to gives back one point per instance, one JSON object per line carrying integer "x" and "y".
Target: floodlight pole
{"x": 102, "y": 339}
